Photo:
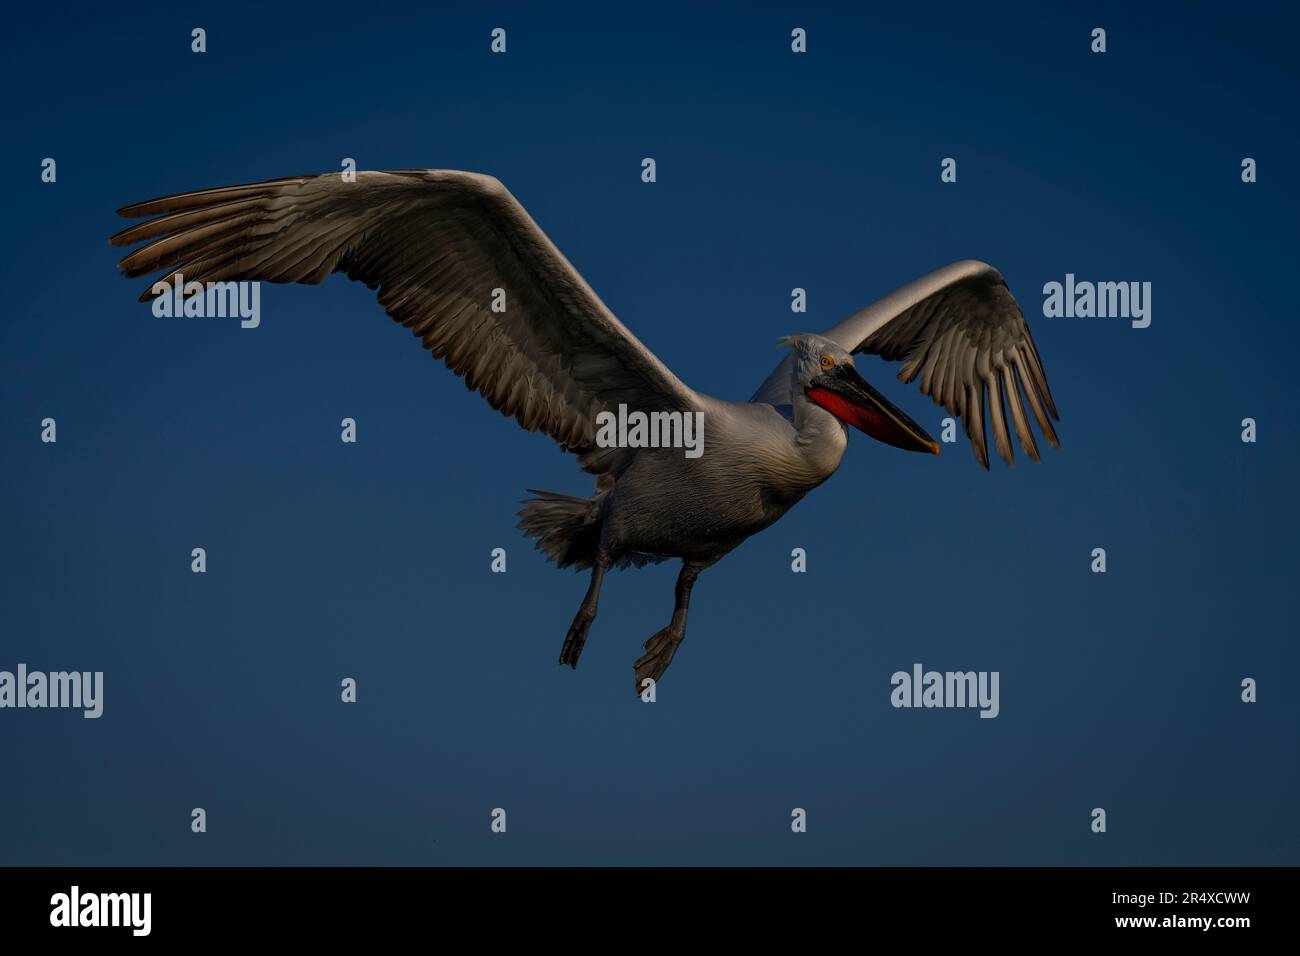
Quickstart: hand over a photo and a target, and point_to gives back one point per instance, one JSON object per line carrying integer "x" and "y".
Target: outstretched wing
{"x": 961, "y": 330}
{"x": 455, "y": 258}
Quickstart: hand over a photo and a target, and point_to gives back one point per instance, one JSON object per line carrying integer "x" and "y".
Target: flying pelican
{"x": 458, "y": 261}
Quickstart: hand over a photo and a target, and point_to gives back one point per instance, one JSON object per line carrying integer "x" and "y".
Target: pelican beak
{"x": 850, "y": 398}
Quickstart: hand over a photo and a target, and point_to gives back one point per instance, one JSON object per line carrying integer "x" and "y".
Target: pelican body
{"x": 458, "y": 260}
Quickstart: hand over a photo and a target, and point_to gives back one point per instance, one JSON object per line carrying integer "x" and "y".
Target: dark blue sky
{"x": 774, "y": 171}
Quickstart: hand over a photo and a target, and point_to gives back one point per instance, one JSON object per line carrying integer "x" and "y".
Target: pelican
{"x": 457, "y": 260}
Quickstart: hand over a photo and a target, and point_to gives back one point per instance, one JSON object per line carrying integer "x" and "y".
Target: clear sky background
{"x": 775, "y": 170}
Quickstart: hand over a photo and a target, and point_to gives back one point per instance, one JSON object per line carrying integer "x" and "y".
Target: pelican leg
{"x": 577, "y": 636}
{"x": 663, "y": 645}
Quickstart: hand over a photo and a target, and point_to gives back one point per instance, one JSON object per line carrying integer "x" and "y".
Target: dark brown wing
{"x": 961, "y": 330}
{"x": 442, "y": 247}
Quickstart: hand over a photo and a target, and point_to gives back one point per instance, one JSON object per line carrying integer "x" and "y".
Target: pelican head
{"x": 825, "y": 372}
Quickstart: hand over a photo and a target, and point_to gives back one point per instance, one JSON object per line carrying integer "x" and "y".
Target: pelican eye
{"x": 827, "y": 361}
